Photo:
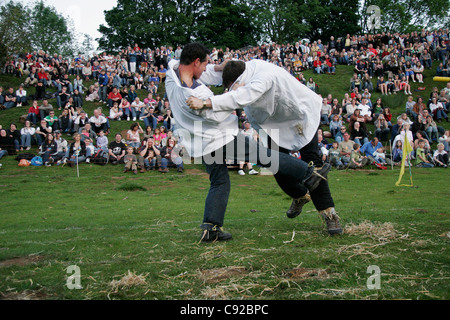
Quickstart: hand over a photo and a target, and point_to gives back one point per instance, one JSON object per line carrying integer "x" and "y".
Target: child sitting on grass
{"x": 130, "y": 161}
{"x": 357, "y": 160}
{"x": 421, "y": 158}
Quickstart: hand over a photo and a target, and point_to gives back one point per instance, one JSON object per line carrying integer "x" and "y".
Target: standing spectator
{"x": 103, "y": 86}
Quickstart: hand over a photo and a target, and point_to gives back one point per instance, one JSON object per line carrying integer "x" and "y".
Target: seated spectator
{"x": 440, "y": 156}
{"x": 10, "y": 98}
{"x": 102, "y": 141}
{"x": 115, "y": 113}
{"x": 355, "y": 82}
{"x": 92, "y": 93}
{"x": 382, "y": 128}
{"x": 49, "y": 148}
{"x": 431, "y": 128}
{"x": 382, "y": 86}
{"x": 418, "y": 72}
{"x": 44, "y": 109}
{"x": 133, "y": 135}
{"x": 27, "y": 136}
{"x": 171, "y": 156}
{"x": 345, "y": 148}
{"x": 421, "y": 158}
{"x": 130, "y": 161}
{"x": 445, "y": 139}
{"x": 52, "y": 121}
{"x": 358, "y": 135}
{"x": 334, "y": 156}
{"x": 153, "y": 88}
{"x": 442, "y": 71}
{"x": 437, "y": 109}
{"x": 62, "y": 98}
{"x": 365, "y": 110}
{"x": 397, "y": 152}
{"x": 7, "y": 146}
{"x": 98, "y": 121}
{"x": 116, "y": 150}
{"x": 335, "y": 125}
{"x": 62, "y": 148}
{"x": 138, "y": 107}
{"x": 114, "y": 96}
{"x": 77, "y": 151}
{"x": 80, "y": 121}
{"x": 149, "y": 155}
{"x": 126, "y": 108}
{"x": 87, "y": 132}
{"x": 405, "y": 118}
{"x": 21, "y": 97}
{"x": 33, "y": 112}
{"x": 357, "y": 160}
{"x": 168, "y": 120}
{"x": 325, "y": 112}
{"x": 76, "y": 100}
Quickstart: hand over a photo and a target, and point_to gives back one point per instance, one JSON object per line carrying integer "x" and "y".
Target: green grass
{"x": 109, "y": 223}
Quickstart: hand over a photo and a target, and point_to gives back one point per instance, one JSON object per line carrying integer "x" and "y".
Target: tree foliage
{"x": 236, "y": 23}
{"x": 408, "y": 15}
{"x": 24, "y": 29}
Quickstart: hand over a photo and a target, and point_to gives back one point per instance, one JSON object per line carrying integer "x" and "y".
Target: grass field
{"x": 137, "y": 237}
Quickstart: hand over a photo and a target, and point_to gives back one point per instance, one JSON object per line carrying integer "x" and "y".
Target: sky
{"x": 87, "y": 15}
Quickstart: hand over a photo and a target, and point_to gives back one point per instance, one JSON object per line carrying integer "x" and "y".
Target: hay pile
{"x": 382, "y": 232}
{"x": 129, "y": 280}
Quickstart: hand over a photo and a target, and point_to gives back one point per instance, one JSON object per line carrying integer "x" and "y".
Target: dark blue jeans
{"x": 289, "y": 173}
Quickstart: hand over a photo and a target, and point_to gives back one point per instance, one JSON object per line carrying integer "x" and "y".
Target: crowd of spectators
{"x": 385, "y": 64}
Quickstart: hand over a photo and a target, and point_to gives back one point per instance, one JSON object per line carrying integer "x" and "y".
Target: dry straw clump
{"x": 129, "y": 280}
{"x": 382, "y": 232}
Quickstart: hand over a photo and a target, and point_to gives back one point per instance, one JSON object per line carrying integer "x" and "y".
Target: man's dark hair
{"x": 232, "y": 70}
{"x": 192, "y": 51}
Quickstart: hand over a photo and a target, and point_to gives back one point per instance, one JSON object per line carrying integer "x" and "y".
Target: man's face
{"x": 200, "y": 67}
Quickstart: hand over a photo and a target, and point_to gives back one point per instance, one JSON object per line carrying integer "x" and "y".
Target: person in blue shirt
{"x": 370, "y": 147}
{"x": 103, "y": 84}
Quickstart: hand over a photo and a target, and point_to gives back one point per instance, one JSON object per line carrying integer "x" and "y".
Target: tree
{"x": 14, "y": 32}
{"x": 49, "y": 31}
{"x": 227, "y": 23}
{"x": 333, "y": 18}
{"x": 408, "y": 15}
{"x": 150, "y": 23}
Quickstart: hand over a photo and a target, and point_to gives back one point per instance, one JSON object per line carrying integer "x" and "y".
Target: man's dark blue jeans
{"x": 289, "y": 172}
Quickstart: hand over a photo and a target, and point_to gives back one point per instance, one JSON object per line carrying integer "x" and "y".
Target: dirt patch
{"x": 20, "y": 261}
{"x": 216, "y": 275}
{"x": 194, "y": 171}
{"x": 306, "y": 273}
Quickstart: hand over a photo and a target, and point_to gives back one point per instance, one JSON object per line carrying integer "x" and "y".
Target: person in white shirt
{"x": 274, "y": 100}
{"x": 365, "y": 110}
{"x": 248, "y": 131}
{"x": 26, "y": 133}
{"x": 21, "y": 96}
{"x": 98, "y": 121}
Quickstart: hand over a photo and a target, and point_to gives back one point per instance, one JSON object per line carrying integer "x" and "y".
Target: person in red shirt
{"x": 33, "y": 112}
{"x": 42, "y": 75}
{"x": 114, "y": 96}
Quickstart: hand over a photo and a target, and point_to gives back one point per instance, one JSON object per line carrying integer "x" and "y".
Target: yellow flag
{"x": 407, "y": 149}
